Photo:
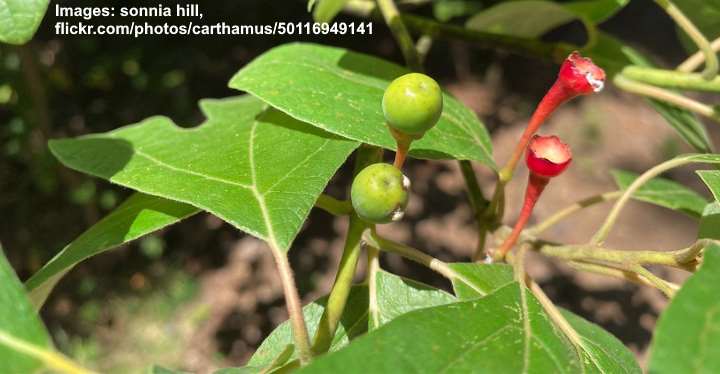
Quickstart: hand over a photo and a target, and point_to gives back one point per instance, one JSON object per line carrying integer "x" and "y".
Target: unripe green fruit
{"x": 379, "y": 193}
{"x": 412, "y": 104}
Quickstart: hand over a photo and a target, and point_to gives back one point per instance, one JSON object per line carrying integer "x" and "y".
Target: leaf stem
{"x": 711, "y": 60}
{"x": 661, "y": 284}
{"x": 371, "y": 280}
{"x": 672, "y": 78}
{"x": 53, "y": 360}
{"x": 420, "y": 257}
{"x": 337, "y": 299}
{"x": 402, "y": 36}
{"x": 341, "y": 288}
{"x": 334, "y": 206}
{"x": 694, "y": 61}
{"x": 604, "y": 269}
{"x": 666, "y": 96}
{"x": 604, "y": 230}
{"x": 294, "y": 307}
{"x": 570, "y": 210}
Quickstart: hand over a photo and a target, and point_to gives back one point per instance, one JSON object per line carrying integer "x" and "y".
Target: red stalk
{"x": 535, "y": 187}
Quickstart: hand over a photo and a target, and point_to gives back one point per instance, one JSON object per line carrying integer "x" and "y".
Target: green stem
{"x": 570, "y": 210}
{"x": 294, "y": 307}
{"x": 711, "y": 60}
{"x": 334, "y": 206}
{"x": 694, "y": 61}
{"x": 337, "y": 299}
{"x": 341, "y": 288}
{"x": 479, "y": 205}
{"x": 420, "y": 257}
{"x": 603, "y": 269}
{"x": 604, "y": 230}
{"x": 523, "y": 46}
{"x": 402, "y": 36}
{"x": 670, "y": 97}
{"x": 658, "y": 282}
{"x": 371, "y": 280}
{"x": 685, "y": 258}
{"x": 672, "y": 78}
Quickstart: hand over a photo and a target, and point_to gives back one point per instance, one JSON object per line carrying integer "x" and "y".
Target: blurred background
{"x": 200, "y": 294}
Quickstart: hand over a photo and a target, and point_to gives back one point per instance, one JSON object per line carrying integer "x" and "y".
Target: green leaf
{"x": 686, "y": 335}
{"x": 710, "y": 222}
{"x": 352, "y": 324}
{"x": 19, "y": 19}
{"x": 326, "y": 10}
{"x": 520, "y": 18}
{"x": 341, "y": 92}
{"x": 19, "y": 324}
{"x": 712, "y": 181}
{"x": 397, "y": 296}
{"x": 479, "y": 280}
{"x": 663, "y": 192}
{"x": 506, "y": 331}
{"x": 139, "y": 215}
{"x": 601, "y": 349}
{"x": 445, "y": 10}
{"x": 250, "y": 165}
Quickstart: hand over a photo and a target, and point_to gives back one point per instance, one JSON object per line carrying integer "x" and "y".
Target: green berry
{"x": 412, "y": 104}
{"x": 379, "y": 193}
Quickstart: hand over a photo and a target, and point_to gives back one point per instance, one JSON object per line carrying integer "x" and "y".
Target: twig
{"x": 672, "y": 78}
{"x": 711, "y": 60}
{"x": 694, "y": 61}
{"x": 402, "y": 36}
{"x": 371, "y": 280}
{"x": 568, "y": 211}
{"x": 604, "y": 230}
{"x": 670, "y": 97}
{"x": 479, "y": 205}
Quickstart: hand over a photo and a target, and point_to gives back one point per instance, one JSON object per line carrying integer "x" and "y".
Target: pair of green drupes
{"x": 412, "y": 105}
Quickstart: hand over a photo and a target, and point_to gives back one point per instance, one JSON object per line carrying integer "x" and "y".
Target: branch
{"x": 711, "y": 60}
{"x": 670, "y": 97}
{"x": 694, "y": 61}
{"x": 672, "y": 78}
{"x": 402, "y": 36}
{"x": 604, "y": 230}
{"x": 566, "y": 212}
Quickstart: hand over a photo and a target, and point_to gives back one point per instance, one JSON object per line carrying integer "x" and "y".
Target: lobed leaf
{"x": 663, "y": 192}
{"x": 19, "y": 325}
{"x": 19, "y": 19}
{"x": 341, "y": 92}
{"x": 139, "y": 215}
{"x": 686, "y": 335}
{"x": 712, "y": 181}
{"x": 253, "y": 166}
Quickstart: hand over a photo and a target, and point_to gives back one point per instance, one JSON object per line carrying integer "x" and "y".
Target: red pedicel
{"x": 578, "y": 76}
{"x": 547, "y": 157}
